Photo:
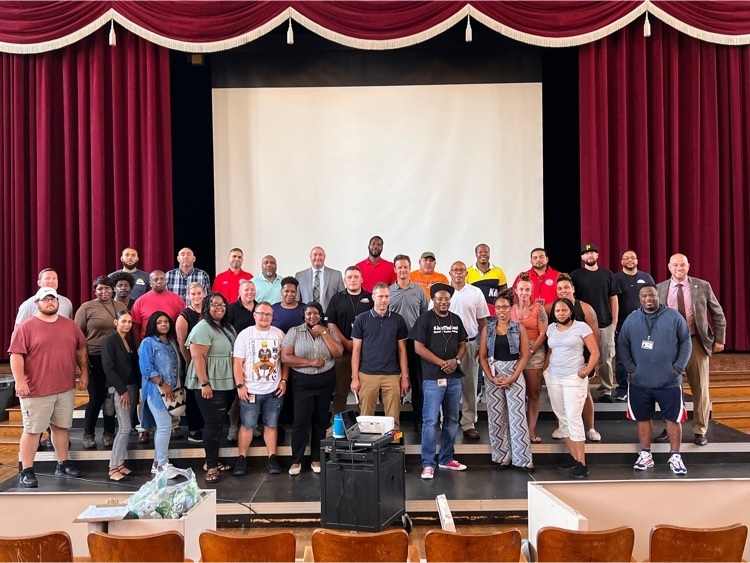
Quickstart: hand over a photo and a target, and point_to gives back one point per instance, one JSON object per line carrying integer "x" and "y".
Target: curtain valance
{"x": 208, "y": 26}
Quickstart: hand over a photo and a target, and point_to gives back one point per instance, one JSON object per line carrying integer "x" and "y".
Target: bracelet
{"x": 205, "y": 384}
{"x": 283, "y": 381}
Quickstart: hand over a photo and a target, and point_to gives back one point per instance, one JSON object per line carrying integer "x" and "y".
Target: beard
{"x": 126, "y": 267}
{"x": 590, "y": 262}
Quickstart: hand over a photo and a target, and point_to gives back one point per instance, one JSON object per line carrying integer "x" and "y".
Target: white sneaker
{"x": 594, "y": 436}
{"x": 676, "y": 465}
{"x": 645, "y": 460}
{"x": 557, "y": 435}
{"x": 428, "y": 473}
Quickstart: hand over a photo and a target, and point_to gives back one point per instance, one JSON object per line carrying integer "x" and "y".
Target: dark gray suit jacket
{"x": 333, "y": 282}
{"x": 704, "y": 304}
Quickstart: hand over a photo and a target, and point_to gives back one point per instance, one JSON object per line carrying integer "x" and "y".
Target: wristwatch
{"x": 240, "y": 386}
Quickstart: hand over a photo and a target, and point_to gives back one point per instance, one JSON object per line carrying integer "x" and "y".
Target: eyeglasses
{"x": 263, "y": 314}
{"x": 502, "y": 307}
{"x": 218, "y": 305}
{"x": 48, "y": 299}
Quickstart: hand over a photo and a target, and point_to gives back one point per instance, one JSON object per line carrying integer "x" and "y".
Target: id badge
{"x": 442, "y": 382}
{"x": 251, "y": 398}
{"x": 647, "y": 345}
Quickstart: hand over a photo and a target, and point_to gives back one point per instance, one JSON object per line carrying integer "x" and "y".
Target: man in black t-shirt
{"x": 599, "y": 288}
{"x": 340, "y": 314}
{"x": 440, "y": 340}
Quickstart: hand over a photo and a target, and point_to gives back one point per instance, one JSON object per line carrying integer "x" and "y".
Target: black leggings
{"x": 97, "y": 389}
{"x": 312, "y": 401}
{"x": 214, "y": 411}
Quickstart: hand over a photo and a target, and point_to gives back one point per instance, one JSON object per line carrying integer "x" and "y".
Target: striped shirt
{"x": 306, "y": 347}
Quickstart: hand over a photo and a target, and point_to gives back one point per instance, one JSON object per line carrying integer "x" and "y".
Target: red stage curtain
{"x": 664, "y": 158}
{"x": 85, "y": 165}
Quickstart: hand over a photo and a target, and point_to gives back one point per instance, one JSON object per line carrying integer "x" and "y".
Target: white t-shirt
{"x": 261, "y": 352}
{"x": 567, "y": 348}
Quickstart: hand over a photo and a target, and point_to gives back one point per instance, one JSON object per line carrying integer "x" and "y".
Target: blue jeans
{"x": 163, "y": 432}
{"x": 449, "y": 398}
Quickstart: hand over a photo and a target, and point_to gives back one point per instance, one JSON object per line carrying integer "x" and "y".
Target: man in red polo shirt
{"x": 374, "y": 268}
{"x": 228, "y": 282}
{"x": 543, "y": 278}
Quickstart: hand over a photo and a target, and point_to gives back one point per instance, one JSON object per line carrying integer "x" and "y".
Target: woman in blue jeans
{"x": 160, "y": 372}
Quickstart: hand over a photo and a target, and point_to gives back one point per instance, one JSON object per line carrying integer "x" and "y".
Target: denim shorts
{"x": 268, "y": 404}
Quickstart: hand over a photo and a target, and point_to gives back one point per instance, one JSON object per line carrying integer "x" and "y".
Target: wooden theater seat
{"x": 447, "y": 546}
{"x": 557, "y": 544}
{"x": 167, "y": 546}
{"x": 674, "y": 543}
{"x": 217, "y": 546}
{"x": 334, "y": 546}
{"x": 54, "y": 546}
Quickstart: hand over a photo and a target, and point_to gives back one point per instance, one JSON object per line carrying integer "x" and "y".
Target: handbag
{"x": 176, "y": 407}
{"x": 108, "y": 407}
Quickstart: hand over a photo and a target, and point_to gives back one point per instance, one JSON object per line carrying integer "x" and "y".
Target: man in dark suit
{"x": 319, "y": 283}
{"x": 695, "y": 301}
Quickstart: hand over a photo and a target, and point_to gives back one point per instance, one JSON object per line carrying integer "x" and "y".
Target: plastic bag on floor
{"x": 156, "y": 499}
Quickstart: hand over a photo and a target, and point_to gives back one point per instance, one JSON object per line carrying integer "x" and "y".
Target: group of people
{"x": 272, "y": 351}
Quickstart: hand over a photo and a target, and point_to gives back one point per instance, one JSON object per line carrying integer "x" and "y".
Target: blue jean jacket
{"x": 514, "y": 338}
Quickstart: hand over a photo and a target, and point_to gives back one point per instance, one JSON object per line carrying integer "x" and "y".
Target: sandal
{"x": 124, "y": 470}
{"x": 212, "y": 476}
{"x": 221, "y": 467}
{"x": 116, "y": 475}
{"x": 535, "y": 440}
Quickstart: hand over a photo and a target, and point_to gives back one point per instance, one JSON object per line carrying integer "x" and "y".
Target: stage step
{"x": 730, "y": 404}
{"x": 739, "y": 420}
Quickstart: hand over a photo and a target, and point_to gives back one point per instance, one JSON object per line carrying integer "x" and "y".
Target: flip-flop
{"x": 124, "y": 470}
{"x": 535, "y": 440}
{"x": 212, "y": 476}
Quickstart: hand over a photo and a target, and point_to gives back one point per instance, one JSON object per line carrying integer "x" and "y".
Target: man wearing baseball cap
{"x": 599, "y": 288}
{"x": 426, "y": 275}
{"x": 44, "y": 352}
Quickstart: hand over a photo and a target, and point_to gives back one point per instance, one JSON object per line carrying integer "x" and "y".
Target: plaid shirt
{"x": 178, "y": 283}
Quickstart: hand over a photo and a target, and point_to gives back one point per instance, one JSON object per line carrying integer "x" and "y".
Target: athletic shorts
{"x": 642, "y": 403}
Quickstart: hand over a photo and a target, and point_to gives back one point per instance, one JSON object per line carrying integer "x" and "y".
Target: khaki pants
{"x": 697, "y": 376}
{"x": 470, "y": 367}
{"x": 389, "y": 386}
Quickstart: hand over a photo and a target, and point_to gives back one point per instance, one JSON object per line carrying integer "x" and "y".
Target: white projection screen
{"x": 438, "y": 167}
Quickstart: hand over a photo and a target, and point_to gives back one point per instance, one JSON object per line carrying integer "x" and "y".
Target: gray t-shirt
{"x": 28, "y": 308}
{"x": 567, "y": 348}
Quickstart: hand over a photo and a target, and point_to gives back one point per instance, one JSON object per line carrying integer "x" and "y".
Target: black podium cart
{"x": 362, "y": 484}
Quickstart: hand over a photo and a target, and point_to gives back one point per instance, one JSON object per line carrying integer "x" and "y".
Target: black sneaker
{"x": 196, "y": 437}
{"x": 606, "y": 398}
{"x": 240, "y": 468}
{"x": 27, "y": 479}
{"x": 570, "y": 463}
{"x": 66, "y": 469}
{"x": 579, "y": 471}
{"x": 273, "y": 466}
{"x": 662, "y": 438}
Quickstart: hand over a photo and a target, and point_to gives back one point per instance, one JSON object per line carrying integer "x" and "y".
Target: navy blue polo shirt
{"x": 379, "y": 336}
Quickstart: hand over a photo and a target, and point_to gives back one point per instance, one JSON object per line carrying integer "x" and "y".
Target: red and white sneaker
{"x": 428, "y": 473}
{"x": 454, "y": 466}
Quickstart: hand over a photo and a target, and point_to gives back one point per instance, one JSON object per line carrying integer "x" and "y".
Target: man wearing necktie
{"x": 319, "y": 283}
{"x": 694, "y": 299}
